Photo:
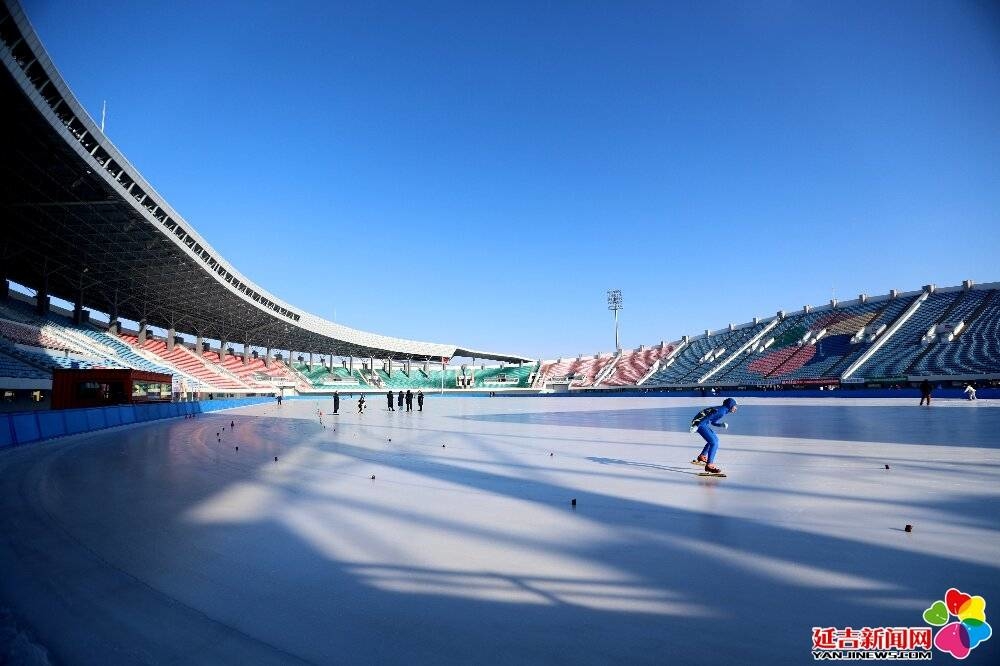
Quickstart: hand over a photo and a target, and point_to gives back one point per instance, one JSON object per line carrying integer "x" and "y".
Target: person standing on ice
{"x": 702, "y": 424}
{"x": 925, "y": 393}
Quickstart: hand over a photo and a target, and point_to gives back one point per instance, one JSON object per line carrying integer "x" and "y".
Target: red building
{"x": 97, "y": 388}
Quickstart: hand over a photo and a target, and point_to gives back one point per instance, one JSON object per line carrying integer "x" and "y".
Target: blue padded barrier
{"x": 25, "y": 427}
{"x": 6, "y": 433}
{"x": 126, "y": 414}
{"x": 51, "y": 424}
{"x": 95, "y": 418}
{"x": 76, "y": 421}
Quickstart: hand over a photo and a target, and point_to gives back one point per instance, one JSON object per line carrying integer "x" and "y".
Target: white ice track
{"x": 161, "y": 544}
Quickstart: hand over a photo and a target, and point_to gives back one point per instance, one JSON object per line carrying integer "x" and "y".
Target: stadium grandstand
{"x": 943, "y": 334}
{"x": 141, "y": 288}
{"x": 83, "y": 226}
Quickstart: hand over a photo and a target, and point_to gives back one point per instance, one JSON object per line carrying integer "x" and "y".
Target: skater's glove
{"x": 724, "y": 425}
{"x": 693, "y": 429}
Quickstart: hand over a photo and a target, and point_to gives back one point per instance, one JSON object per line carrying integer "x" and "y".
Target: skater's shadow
{"x": 632, "y": 463}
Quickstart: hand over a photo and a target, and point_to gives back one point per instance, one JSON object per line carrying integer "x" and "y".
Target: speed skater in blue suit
{"x": 703, "y": 423}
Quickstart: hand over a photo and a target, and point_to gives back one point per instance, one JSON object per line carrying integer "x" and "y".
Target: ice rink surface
{"x": 163, "y": 544}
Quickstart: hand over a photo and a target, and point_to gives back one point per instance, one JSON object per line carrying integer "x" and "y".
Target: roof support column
{"x": 114, "y": 326}
{"x": 171, "y": 334}
{"x": 42, "y": 296}
{"x": 310, "y": 361}
{"x": 199, "y": 345}
{"x": 246, "y": 352}
{"x": 267, "y": 358}
{"x": 223, "y": 343}
{"x": 78, "y": 309}
{"x": 388, "y": 365}
{"x": 142, "y": 332}
{"x": 351, "y": 365}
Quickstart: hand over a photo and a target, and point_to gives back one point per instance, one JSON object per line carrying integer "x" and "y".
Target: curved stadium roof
{"x": 81, "y": 223}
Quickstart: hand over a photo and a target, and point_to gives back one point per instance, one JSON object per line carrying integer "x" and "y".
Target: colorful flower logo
{"x": 959, "y": 638}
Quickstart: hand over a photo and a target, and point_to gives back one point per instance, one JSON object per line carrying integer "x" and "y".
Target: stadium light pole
{"x": 615, "y": 304}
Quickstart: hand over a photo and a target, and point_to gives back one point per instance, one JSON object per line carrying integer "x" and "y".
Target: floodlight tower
{"x": 615, "y": 304}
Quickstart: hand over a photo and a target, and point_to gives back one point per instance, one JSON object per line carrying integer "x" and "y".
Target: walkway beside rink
{"x": 451, "y": 536}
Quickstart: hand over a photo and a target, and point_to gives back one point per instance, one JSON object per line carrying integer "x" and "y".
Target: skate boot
{"x": 712, "y": 469}
{"x": 700, "y": 460}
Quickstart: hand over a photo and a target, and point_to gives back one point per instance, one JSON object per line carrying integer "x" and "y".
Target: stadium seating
{"x": 589, "y": 369}
{"x": 688, "y": 364}
{"x": 314, "y": 375}
{"x": 188, "y": 364}
{"x": 31, "y": 335}
{"x": 400, "y": 380}
{"x": 902, "y": 349}
{"x": 633, "y": 364}
{"x": 15, "y": 368}
{"x": 321, "y": 377}
{"x": 255, "y": 374}
{"x": 121, "y": 352}
{"x": 450, "y": 377}
{"x": 822, "y": 359}
{"x": 558, "y": 369}
{"x": 46, "y": 349}
{"x": 581, "y": 371}
{"x": 512, "y": 375}
{"x": 789, "y": 358}
{"x": 974, "y": 350}
{"x": 803, "y": 347}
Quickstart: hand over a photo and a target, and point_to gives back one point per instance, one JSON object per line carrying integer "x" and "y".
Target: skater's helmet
{"x": 730, "y": 404}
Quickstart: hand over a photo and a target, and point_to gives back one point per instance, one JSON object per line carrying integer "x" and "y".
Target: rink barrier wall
{"x": 914, "y": 393}
{"x": 37, "y": 426}
{"x": 950, "y": 393}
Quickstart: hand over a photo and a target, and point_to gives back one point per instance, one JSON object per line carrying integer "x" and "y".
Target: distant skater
{"x": 361, "y": 404}
{"x": 420, "y": 400}
{"x": 409, "y": 400}
{"x": 400, "y": 405}
{"x": 389, "y": 397}
{"x": 702, "y": 424}
{"x": 970, "y": 392}
{"x": 336, "y": 401}
{"x": 279, "y": 401}
{"x": 925, "y": 393}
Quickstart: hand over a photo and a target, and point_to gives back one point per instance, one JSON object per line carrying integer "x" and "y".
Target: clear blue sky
{"x": 481, "y": 173}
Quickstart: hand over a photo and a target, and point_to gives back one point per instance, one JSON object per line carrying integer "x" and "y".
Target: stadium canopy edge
{"x": 84, "y": 225}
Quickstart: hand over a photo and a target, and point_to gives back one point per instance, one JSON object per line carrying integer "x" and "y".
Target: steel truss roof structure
{"x": 81, "y": 223}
